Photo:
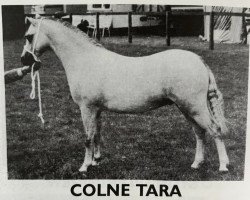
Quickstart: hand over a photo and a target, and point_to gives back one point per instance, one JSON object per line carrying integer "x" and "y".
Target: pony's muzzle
{"x": 27, "y": 58}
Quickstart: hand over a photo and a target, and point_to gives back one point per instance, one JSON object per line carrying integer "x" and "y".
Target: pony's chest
{"x": 84, "y": 90}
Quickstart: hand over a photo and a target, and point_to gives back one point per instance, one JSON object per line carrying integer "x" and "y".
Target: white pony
{"x": 103, "y": 80}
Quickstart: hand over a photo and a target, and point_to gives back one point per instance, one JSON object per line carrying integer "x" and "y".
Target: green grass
{"x": 155, "y": 145}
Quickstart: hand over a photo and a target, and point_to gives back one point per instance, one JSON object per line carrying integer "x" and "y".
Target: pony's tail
{"x": 216, "y": 106}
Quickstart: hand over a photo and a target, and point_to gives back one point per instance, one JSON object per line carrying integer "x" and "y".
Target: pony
{"x": 101, "y": 80}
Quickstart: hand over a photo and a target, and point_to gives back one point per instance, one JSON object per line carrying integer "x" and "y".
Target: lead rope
{"x": 35, "y": 75}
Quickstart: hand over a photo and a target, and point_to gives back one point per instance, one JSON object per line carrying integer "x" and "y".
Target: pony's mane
{"x": 75, "y": 30}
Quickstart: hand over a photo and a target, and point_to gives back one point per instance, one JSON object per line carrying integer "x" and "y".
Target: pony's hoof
{"x": 194, "y": 166}
{"x": 197, "y": 165}
{"x": 94, "y": 163}
{"x": 83, "y": 169}
{"x": 223, "y": 169}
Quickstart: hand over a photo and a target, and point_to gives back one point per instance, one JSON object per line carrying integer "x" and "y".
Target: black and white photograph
{"x": 133, "y": 92}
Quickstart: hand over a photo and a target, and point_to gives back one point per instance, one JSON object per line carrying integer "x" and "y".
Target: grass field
{"x": 156, "y": 145}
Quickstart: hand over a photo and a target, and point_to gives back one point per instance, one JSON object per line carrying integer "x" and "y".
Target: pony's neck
{"x": 67, "y": 44}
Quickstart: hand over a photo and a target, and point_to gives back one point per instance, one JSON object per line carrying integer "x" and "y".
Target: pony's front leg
{"x": 97, "y": 141}
{"x": 89, "y": 117}
{"x": 200, "y": 147}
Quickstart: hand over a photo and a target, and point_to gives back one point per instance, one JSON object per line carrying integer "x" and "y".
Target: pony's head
{"x": 36, "y": 41}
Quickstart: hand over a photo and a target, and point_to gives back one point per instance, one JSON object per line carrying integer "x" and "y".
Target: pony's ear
{"x": 31, "y": 20}
{"x": 27, "y": 23}
{"x": 37, "y": 16}
{"x": 26, "y": 20}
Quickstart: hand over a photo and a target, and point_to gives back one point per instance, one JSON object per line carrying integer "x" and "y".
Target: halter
{"x": 35, "y": 75}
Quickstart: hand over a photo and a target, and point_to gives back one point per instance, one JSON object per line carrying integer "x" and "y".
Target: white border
{"x": 233, "y": 3}
{"x": 39, "y": 189}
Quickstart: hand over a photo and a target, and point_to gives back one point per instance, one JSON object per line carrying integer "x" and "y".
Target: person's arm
{"x": 18, "y": 73}
{"x": 14, "y": 74}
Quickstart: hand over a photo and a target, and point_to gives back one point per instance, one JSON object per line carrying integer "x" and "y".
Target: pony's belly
{"x": 136, "y": 107}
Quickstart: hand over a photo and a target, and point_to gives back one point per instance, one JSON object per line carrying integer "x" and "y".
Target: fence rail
{"x": 167, "y": 15}
{"x": 187, "y": 13}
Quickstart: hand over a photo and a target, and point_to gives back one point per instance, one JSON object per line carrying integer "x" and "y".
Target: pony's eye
{"x": 29, "y": 37}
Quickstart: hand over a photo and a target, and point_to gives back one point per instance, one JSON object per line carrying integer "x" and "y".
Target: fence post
{"x": 158, "y": 8}
{"x": 150, "y": 8}
{"x": 211, "y": 31}
{"x": 70, "y": 18}
{"x": 167, "y": 29}
{"x": 130, "y": 27}
{"x": 98, "y": 26}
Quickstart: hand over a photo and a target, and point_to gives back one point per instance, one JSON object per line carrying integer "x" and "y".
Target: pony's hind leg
{"x": 200, "y": 141}
{"x": 224, "y": 160}
{"x": 200, "y": 146}
{"x": 89, "y": 117}
{"x": 203, "y": 118}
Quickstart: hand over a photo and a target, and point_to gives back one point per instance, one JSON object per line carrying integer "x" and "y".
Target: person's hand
{"x": 27, "y": 69}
